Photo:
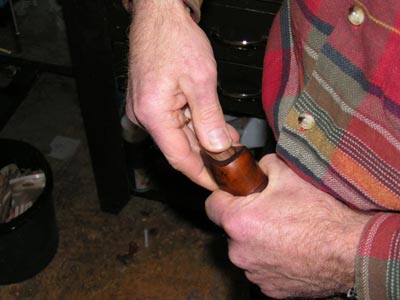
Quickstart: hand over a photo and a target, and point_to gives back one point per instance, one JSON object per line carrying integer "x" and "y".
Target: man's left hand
{"x": 291, "y": 239}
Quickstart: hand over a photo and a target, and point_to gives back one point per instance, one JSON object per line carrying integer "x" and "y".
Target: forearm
{"x": 340, "y": 239}
{"x": 154, "y": 6}
{"x": 332, "y": 240}
{"x": 153, "y": 9}
{"x": 155, "y": 25}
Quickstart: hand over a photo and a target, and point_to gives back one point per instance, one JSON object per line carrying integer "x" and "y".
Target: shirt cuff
{"x": 378, "y": 258}
{"x": 195, "y": 8}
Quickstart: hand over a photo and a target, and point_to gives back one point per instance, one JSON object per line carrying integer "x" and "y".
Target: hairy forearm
{"x": 340, "y": 239}
{"x": 157, "y": 8}
{"x": 153, "y": 10}
{"x": 155, "y": 5}
{"x": 192, "y": 6}
{"x": 153, "y": 27}
{"x": 319, "y": 249}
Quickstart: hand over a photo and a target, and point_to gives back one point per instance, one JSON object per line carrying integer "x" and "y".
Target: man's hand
{"x": 172, "y": 70}
{"x": 292, "y": 239}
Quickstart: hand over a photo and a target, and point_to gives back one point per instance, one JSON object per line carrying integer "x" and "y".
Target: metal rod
{"x": 17, "y": 33}
{"x": 6, "y": 51}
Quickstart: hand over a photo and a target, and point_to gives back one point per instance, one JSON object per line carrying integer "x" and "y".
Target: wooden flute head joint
{"x": 235, "y": 171}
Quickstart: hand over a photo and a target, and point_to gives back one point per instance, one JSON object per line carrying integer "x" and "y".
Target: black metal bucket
{"x": 29, "y": 242}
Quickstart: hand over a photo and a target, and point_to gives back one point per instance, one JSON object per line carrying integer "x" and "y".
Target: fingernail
{"x": 219, "y": 139}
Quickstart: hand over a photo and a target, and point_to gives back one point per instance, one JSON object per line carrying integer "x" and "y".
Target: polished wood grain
{"x": 237, "y": 172}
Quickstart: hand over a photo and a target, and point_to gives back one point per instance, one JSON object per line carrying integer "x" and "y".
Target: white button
{"x": 306, "y": 121}
{"x": 356, "y": 15}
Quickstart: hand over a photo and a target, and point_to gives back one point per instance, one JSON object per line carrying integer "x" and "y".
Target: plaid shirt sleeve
{"x": 378, "y": 262}
{"x": 331, "y": 93}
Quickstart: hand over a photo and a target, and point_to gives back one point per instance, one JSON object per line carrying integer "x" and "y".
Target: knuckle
{"x": 209, "y": 112}
{"x": 206, "y": 72}
{"x": 141, "y": 111}
{"x": 235, "y": 225}
{"x": 144, "y": 108}
{"x": 237, "y": 257}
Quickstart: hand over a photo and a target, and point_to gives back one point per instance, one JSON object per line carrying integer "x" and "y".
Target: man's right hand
{"x": 172, "y": 70}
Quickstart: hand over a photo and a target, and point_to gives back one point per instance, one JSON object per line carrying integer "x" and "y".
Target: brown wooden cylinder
{"x": 236, "y": 171}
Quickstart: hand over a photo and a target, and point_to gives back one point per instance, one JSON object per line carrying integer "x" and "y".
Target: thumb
{"x": 222, "y": 207}
{"x": 208, "y": 119}
{"x": 217, "y": 204}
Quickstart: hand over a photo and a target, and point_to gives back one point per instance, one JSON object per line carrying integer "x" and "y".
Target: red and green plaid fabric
{"x": 347, "y": 79}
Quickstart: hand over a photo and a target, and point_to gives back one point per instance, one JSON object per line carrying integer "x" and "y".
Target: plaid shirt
{"x": 331, "y": 92}
{"x": 332, "y": 96}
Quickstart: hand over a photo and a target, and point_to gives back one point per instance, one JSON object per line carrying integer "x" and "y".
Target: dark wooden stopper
{"x": 235, "y": 171}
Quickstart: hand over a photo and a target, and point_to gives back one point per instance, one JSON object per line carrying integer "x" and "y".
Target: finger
{"x": 127, "y": 5}
{"x": 207, "y": 114}
{"x": 268, "y": 284}
{"x": 217, "y": 204}
{"x": 129, "y": 100}
{"x": 180, "y": 148}
{"x": 129, "y": 104}
{"x": 233, "y": 133}
{"x": 271, "y": 162}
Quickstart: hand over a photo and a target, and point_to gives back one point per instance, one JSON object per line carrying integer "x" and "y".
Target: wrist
{"x": 338, "y": 235}
{"x": 350, "y": 235}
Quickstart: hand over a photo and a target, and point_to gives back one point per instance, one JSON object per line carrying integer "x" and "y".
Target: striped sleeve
{"x": 378, "y": 259}
{"x": 195, "y": 8}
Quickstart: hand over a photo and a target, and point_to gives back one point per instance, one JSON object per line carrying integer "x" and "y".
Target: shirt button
{"x": 356, "y": 15}
{"x": 306, "y": 121}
